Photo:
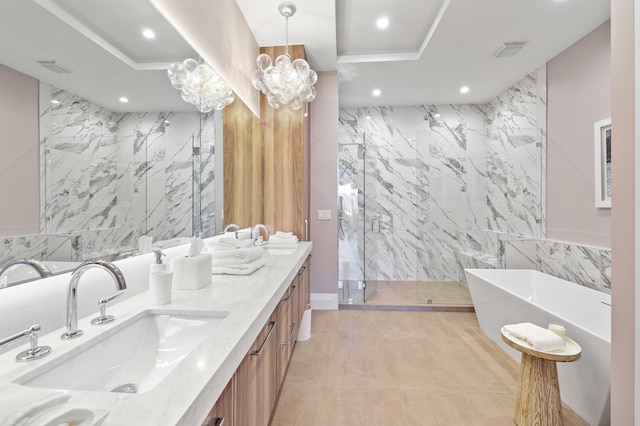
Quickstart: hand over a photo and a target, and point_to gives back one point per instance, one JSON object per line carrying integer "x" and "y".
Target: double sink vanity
{"x": 218, "y": 352}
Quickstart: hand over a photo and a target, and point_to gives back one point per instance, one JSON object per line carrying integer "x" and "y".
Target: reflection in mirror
{"x": 109, "y": 171}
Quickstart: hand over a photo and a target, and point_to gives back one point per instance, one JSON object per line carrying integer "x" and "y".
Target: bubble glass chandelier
{"x": 285, "y": 83}
{"x": 200, "y": 85}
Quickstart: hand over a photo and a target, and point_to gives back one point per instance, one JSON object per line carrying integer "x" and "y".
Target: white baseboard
{"x": 324, "y": 301}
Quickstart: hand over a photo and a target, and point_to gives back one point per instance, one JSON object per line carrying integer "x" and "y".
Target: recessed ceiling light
{"x": 464, "y": 89}
{"x": 376, "y": 92}
{"x": 123, "y": 99}
{"x": 436, "y": 115}
{"x": 148, "y": 33}
{"x": 368, "y": 117}
{"x": 382, "y": 22}
{"x": 54, "y": 101}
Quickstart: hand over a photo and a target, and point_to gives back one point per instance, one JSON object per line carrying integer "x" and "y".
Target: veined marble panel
{"x": 39, "y": 247}
{"x": 112, "y": 177}
{"x": 587, "y": 266}
{"x": 521, "y": 254}
{"x": 446, "y": 183}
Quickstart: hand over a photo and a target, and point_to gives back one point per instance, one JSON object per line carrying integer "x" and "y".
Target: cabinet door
{"x": 286, "y": 329}
{"x": 266, "y": 371}
{"x": 255, "y": 391}
{"x": 303, "y": 290}
{"x": 223, "y": 409}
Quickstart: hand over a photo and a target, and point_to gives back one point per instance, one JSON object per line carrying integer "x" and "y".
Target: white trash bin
{"x": 304, "y": 333}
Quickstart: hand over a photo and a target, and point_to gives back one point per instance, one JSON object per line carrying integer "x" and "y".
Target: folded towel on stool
{"x": 539, "y": 338}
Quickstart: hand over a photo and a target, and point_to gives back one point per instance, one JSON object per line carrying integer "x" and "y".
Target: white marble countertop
{"x": 186, "y": 395}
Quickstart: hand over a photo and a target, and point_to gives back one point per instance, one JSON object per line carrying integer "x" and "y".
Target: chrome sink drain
{"x": 126, "y": 388}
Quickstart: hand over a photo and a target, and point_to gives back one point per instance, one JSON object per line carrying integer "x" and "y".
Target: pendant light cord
{"x": 286, "y": 26}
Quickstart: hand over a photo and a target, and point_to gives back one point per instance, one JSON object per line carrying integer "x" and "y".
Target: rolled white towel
{"x": 539, "y": 338}
{"x": 241, "y": 269}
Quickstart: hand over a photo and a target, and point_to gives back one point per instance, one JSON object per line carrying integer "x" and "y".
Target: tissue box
{"x": 191, "y": 273}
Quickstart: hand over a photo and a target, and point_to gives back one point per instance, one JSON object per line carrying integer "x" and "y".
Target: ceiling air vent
{"x": 508, "y": 49}
{"x": 51, "y": 65}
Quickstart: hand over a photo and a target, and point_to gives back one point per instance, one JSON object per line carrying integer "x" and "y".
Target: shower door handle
{"x": 375, "y": 226}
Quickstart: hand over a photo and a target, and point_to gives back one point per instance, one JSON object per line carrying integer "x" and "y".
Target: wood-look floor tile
{"x": 469, "y": 409}
{"x": 345, "y": 322}
{"x": 340, "y": 360}
{"x": 310, "y": 405}
{"x": 399, "y": 368}
{"x": 419, "y": 364}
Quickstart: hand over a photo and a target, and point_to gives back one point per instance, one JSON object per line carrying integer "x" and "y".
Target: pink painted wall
{"x": 324, "y": 183}
{"x": 623, "y": 214}
{"x": 19, "y": 163}
{"x": 578, "y": 94}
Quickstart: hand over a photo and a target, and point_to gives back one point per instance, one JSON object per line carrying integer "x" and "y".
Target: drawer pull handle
{"x": 293, "y": 290}
{"x": 293, "y": 327}
{"x": 301, "y": 271}
{"x": 258, "y": 352}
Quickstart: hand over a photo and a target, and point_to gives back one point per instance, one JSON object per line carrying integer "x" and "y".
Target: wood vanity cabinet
{"x": 224, "y": 408}
{"x": 251, "y": 395}
{"x": 286, "y": 314}
{"x": 256, "y": 380}
{"x": 304, "y": 285}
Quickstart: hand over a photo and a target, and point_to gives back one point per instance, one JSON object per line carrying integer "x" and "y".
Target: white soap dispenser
{"x": 160, "y": 281}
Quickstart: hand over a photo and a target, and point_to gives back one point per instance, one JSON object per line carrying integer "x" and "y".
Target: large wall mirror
{"x": 109, "y": 171}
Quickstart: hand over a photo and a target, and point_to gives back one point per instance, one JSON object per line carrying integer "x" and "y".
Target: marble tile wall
{"x": 112, "y": 177}
{"x": 584, "y": 265}
{"x": 438, "y": 183}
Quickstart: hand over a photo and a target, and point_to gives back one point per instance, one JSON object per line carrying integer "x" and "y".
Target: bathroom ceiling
{"x": 101, "y": 45}
{"x": 431, "y": 47}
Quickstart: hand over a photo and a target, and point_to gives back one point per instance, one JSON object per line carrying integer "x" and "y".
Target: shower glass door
{"x": 351, "y": 193}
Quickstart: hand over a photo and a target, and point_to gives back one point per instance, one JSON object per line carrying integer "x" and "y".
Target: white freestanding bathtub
{"x": 508, "y": 296}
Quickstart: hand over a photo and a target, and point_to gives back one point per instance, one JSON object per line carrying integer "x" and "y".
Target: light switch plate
{"x": 324, "y": 214}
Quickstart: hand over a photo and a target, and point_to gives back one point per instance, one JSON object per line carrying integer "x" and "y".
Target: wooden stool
{"x": 538, "y": 398}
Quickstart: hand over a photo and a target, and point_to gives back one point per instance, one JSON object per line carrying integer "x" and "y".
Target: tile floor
{"x": 365, "y": 367}
{"x": 407, "y": 293}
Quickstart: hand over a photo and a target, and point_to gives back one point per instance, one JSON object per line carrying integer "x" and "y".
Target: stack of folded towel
{"x": 539, "y": 338}
{"x": 283, "y": 240}
{"x": 235, "y": 257}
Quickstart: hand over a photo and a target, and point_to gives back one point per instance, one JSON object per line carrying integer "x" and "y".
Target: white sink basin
{"x": 133, "y": 358}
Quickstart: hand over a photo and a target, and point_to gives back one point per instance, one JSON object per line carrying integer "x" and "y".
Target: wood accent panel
{"x": 242, "y": 138}
{"x": 285, "y": 137}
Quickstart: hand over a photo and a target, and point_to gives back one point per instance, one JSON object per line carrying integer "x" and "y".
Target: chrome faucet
{"x": 258, "y": 239}
{"x": 35, "y": 351}
{"x": 230, "y": 226}
{"x": 72, "y": 294}
{"x": 40, "y": 267}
